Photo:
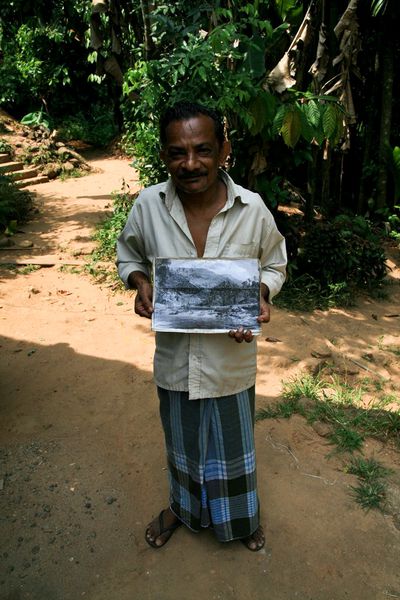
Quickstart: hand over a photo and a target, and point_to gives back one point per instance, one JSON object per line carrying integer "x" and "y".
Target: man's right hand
{"x": 143, "y": 300}
{"x": 144, "y": 294}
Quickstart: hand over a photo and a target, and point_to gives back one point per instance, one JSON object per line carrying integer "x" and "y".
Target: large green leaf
{"x": 307, "y": 130}
{"x": 329, "y": 121}
{"x": 262, "y": 109}
{"x": 378, "y": 7}
{"x": 278, "y": 120}
{"x": 291, "y": 127}
{"x": 255, "y": 59}
{"x": 312, "y": 112}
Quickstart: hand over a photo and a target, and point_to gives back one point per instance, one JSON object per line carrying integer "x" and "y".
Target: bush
{"x": 98, "y": 129}
{"x": 109, "y": 230}
{"x": 15, "y": 204}
{"x": 343, "y": 251}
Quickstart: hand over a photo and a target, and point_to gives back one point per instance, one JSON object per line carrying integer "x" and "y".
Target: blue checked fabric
{"x": 211, "y": 461}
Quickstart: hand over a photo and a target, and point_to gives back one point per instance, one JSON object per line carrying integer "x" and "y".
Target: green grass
{"x": 371, "y": 489}
{"x": 367, "y": 469}
{"x": 72, "y": 174}
{"x": 339, "y": 405}
{"x": 25, "y": 270}
{"x": 305, "y": 294}
{"x": 306, "y": 386}
{"x": 28, "y": 269}
{"x": 72, "y": 269}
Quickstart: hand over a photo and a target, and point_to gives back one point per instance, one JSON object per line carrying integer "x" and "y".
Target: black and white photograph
{"x": 206, "y": 295}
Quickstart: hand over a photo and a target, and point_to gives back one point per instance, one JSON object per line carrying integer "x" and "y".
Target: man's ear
{"x": 225, "y": 151}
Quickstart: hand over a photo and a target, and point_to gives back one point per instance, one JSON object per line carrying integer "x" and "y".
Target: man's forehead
{"x": 199, "y": 126}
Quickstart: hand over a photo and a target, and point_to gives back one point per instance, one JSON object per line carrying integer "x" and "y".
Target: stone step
{"x": 9, "y": 167}
{"x": 23, "y": 174}
{"x": 4, "y": 157}
{"x": 31, "y": 181}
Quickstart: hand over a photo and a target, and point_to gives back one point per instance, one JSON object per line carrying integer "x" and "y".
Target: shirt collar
{"x": 170, "y": 197}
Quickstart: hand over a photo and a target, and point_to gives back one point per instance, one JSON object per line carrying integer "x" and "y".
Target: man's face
{"x": 192, "y": 154}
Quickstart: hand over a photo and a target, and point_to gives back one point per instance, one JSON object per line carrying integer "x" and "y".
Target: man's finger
{"x": 248, "y": 336}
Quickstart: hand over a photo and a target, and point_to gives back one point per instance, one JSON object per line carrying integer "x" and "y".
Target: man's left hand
{"x": 246, "y": 335}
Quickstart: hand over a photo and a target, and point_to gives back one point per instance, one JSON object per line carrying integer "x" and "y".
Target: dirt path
{"x": 82, "y": 466}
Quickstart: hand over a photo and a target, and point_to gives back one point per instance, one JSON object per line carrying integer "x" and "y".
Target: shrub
{"x": 344, "y": 250}
{"x": 98, "y": 129}
{"x": 14, "y": 203}
{"x": 109, "y": 230}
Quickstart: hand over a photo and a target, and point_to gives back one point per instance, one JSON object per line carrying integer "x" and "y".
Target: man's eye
{"x": 204, "y": 151}
{"x": 176, "y": 154}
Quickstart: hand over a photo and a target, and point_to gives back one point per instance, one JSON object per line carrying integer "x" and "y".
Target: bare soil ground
{"x": 82, "y": 466}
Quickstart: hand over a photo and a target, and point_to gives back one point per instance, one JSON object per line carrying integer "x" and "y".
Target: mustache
{"x": 192, "y": 174}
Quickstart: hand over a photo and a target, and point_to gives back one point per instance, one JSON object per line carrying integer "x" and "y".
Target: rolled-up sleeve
{"x": 131, "y": 254}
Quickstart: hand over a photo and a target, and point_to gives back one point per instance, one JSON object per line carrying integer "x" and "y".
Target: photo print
{"x": 206, "y": 295}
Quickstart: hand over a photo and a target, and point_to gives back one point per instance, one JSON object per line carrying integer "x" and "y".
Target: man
{"x": 205, "y": 381}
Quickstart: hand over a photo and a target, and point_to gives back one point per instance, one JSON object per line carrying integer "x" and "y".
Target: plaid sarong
{"x": 211, "y": 461}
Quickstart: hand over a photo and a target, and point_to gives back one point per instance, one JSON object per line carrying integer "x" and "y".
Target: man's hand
{"x": 241, "y": 335}
{"x": 246, "y": 335}
{"x": 265, "y": 313}
{"x": 143, "y": 300}
{"x": 144, "y": 295}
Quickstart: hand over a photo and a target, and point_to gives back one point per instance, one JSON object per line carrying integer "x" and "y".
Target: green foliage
{"x": 5, "y": 147}
{"x": 44, "y": 58}
{"x": 306, "y": 395}
{"x": 345, "y": 250}
{"x": 396, "y": 171}
{"x": 225, "y": 69}
{"x": 98, "y": 128}
{"x": 36, "y": 118}
{"x": 350, "y": 423}
{"x": 109, "y": 230}
{"x": 307, "y": 293}
{"x": 371, "y": 489}
{"x": 306, "y": 386}
{"x": 15, "y": 204}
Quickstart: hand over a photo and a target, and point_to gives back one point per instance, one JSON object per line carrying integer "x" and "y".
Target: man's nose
{"x": 192, "y": 161}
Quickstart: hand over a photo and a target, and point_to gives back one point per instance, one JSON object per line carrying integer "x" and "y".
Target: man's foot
{"x": 255, "y": 541}
{"x": 161, "y": 528}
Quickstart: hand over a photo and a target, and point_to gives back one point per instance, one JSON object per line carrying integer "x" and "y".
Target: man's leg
{"x": 230, "y": 470}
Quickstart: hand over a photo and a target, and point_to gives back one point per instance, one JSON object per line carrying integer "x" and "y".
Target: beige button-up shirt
{"x": 205, "y": 365}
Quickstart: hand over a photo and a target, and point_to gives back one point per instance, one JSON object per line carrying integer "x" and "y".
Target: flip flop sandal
{"x": 162, "y": 530}
{"x": 247, "y": 540}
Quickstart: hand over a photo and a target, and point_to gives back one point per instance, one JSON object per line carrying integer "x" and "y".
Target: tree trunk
{"x": 387, "y": 61}
{"x": 146, "y": 9}
{"x": 370, "y": 135}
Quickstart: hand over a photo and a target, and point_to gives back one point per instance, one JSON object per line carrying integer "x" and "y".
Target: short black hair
{"x": 184, "y": 110}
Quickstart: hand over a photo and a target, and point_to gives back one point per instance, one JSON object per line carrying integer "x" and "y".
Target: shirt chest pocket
{"x": 241, "y": 250}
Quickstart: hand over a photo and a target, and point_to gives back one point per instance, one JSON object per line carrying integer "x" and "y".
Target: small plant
{"x": 367, "y": 468}
{"x": 15, "y": 205}
{"x": 36, "y": 118}
{"x": 5, "y": 147}
{"x": 107, "y": 234}
{"x": 371, "y": 489}
{"x": 346, "y": 439}
{"x": 70, "y": 174}
{"x": 305, "y": 293}
{"x": 28, "y": 269}
{"x": 306, "y": 386}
